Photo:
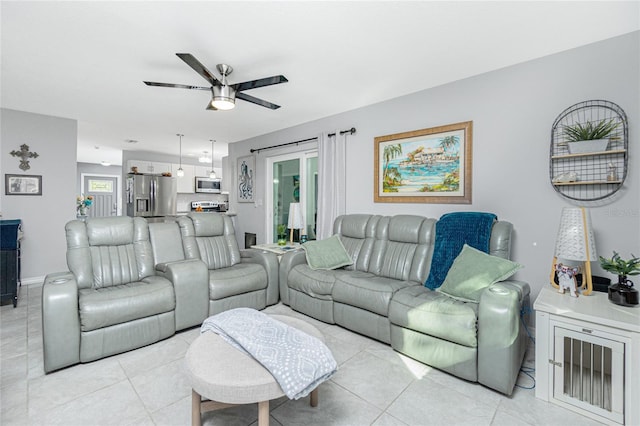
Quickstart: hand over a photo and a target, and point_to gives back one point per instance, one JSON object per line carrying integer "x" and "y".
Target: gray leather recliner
{"x": 111, "y": 300}
{"x": 237, "y": 278}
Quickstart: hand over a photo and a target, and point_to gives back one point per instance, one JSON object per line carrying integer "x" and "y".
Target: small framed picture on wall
{"x": 22, "y": 184}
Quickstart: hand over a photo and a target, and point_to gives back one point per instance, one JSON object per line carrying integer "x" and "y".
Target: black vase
{"x": 623, "y": 293}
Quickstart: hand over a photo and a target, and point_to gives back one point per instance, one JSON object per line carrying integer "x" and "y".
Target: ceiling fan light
{"x": 224, "y": 97}
{"x": 223, "y": 103}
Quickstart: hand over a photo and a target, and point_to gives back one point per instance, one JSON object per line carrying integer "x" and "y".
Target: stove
{"x": 208, "y": 206}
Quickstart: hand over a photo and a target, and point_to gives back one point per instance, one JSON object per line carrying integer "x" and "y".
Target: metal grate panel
{"x": 589, "y": 373}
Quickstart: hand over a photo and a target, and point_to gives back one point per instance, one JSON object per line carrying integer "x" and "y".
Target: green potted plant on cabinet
{"x": 622, "y": 293}
{"x": 282, "y": 234}
{"x": 590, "y": 136}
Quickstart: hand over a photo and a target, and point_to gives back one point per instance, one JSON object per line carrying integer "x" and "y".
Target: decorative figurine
{"x": 612, "y": 176}
{"x": 567, "y": 279}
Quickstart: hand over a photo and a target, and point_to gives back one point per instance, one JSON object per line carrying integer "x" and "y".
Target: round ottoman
{"x": 226, "y": 377}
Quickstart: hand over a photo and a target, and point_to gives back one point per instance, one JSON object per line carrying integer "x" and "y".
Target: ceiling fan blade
{"x": 190, "y": 60}
{"x": 276, "y": 79}
{"x": 256, "y": 101}
{"x": 177, "y": 86}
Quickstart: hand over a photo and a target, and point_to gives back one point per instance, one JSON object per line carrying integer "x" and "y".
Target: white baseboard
{"x": 32, "y": 281}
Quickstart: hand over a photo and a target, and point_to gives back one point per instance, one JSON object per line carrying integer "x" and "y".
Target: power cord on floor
{"x": 527, "y": 371}
{"x": 525, "y": 311}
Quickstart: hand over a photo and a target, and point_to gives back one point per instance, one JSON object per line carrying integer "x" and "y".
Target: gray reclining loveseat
{"x": 382, "y": 295}
{"x": 131, "y": 284}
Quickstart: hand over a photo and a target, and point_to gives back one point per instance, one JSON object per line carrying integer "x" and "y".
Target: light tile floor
{"x": 374, "y": 386}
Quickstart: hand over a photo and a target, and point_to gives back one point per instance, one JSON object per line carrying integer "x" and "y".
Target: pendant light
{"x": 212, "y": 174}
{"x": 180, "y": 172}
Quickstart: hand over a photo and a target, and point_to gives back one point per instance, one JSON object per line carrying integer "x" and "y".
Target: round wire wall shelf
{"x": 594, "y": 175}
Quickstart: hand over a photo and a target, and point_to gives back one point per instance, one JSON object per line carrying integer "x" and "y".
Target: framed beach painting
{"x": 246, "y": 175}
{"x": 424, "y": 166}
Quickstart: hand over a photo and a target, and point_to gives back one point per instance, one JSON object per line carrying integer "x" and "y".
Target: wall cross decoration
{"x": 24, "y": 155}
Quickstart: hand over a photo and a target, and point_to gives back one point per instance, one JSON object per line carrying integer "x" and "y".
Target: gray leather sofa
{"x": 131, "y": 284}
{"x": 382, "y": 296}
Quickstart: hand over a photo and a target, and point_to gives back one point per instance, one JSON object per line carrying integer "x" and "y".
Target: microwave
{"x": 208, "y": 185}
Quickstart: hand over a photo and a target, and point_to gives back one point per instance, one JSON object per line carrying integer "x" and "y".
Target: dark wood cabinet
{"x": 10, "y": 260}
{"x": 9, "y": 265}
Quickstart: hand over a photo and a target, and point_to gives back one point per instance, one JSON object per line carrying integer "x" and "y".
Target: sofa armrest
{"x": 269, "y": 262}
{"x": 502, "y": 340}
{"x": 60, "y": 321}
{"x": 287, "y": 262}
{"x": 190, "y": 279}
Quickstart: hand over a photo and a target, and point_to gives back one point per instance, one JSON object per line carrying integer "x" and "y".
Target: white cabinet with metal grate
{"x": 588, "y": 356}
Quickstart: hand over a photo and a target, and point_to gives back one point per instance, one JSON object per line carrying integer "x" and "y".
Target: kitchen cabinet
{"x": 186, "y": 182}
{"x": 203, "y": 171}
{"x": 151, "y": 167}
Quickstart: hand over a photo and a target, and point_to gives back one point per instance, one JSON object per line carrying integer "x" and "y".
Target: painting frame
{"x": 245, "y": 178}
{"x": 452, "y": 169}
{"x": 22, "y": 184}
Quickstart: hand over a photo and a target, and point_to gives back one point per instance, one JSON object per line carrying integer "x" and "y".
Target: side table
{"x": 275, "y": 248}
{"x": 588, "y": 355}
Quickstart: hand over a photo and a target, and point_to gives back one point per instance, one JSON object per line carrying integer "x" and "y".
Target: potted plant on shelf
{"x": 282, "y": 234}
{"x": 623, "y": 292}
{"x": 590, "y": 136}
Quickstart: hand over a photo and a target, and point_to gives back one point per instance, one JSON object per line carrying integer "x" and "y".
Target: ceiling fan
{"x": 223, "y": 95}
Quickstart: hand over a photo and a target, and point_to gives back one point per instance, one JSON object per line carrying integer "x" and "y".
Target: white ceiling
{"x": 87, "y": 60}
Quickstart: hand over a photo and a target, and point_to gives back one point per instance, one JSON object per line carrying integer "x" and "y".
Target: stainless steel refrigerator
{"x": 151, "y": 195}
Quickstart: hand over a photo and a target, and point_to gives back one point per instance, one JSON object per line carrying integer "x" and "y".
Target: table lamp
{"x": 295, "y": 219}
{"x": 575, "y": 242}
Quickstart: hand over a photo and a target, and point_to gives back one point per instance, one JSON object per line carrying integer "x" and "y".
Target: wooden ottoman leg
{"x": 195, "y": 408}
{"x": 263, "y": 413}
{"x": 314, "y": 397}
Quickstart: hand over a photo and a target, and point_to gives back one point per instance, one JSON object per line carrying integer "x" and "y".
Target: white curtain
{"x": 332, "y": 171}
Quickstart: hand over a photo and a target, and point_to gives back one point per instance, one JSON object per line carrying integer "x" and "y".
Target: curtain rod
{"x": 342, "y": 132}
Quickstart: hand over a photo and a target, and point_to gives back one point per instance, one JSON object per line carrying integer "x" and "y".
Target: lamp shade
{"x": 575, "y": 236}
{"x": 295, "y": 216}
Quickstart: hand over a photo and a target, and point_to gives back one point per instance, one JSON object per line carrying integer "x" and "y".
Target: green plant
{"x": 589, "y": 130}
{"x": 282, "y": 229}
{"x": 619, "y": 266}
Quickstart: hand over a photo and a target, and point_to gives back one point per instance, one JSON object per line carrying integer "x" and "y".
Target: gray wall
{"x": 512, "y": 110}
{"x": 43, "y": 217}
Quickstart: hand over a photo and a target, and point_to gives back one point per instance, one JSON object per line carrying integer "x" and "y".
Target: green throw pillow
{"x": 473, "y": 271}
{"x": 327, "y": 254}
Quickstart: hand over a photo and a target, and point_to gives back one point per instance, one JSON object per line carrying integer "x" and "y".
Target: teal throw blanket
{"x": 453, "y": 231}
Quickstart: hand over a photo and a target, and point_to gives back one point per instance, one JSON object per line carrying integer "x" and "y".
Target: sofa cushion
{"x": 326, "y": 254}
{"x": 436, "y": 314}
{"x": 107, "y": 306}
{"x": 357, "y": 232}
{"x": 473, "y": 271}
{"x": 238, "y": 279}
{"x": 367, "y": 291}
{"x": 315, "y": 283}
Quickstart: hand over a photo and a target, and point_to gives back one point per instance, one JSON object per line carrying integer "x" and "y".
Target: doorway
{"x": 294, "y": 179}
{"x": 104, "y": 189}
